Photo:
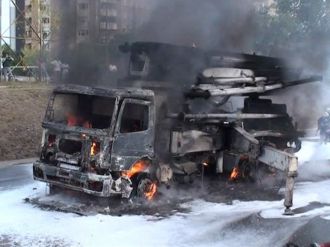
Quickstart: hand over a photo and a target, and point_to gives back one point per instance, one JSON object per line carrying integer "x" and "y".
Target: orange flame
{"x": 150, "y": 193}
{"x": 139, "y": 166}
{"x": 73, "y": 121}
{"x": 87, "y": 125}
{"x": 95, "y": 148}
{"x": 234, "y": 174}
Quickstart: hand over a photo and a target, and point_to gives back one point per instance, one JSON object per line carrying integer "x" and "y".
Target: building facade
{"x": 38, "y": 24}
{"x": 96, "y": 20}
{"x": 60, "y": 25}
{"x": 99, "y": 21}
{"x": 133, "y": 14}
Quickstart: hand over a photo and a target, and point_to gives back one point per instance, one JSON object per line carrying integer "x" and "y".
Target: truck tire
{"x": 144, "y": 187}
{"x": 54, "y": 189}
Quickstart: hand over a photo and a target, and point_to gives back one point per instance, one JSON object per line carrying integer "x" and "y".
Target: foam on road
{"x": 252, "y": 223}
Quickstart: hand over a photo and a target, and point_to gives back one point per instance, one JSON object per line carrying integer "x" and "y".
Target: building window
{"x": 83, "y": 20}
{"x": 83, "y": 6}
{"x": 44, "y": 35}
{"x": 45, "y": 20}
{"x": 112, "y": 26}
{"x": 83, "y": 32}
{"x": 108, "y": 12}
{"x": 29, "y": 33}
{"x": 103, "y": 25}
{"x": 112, "y": 12}
{"x": 103, "y": 12}
{"x": 43, "y": 7}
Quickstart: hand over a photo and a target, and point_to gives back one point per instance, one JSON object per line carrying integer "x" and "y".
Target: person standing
{"x": 57, "y": 66}
{"x": 7, "y": 68}
{"x": 323, "y": 124}
{"x": 43, "y": 71}
{"x": 64, "y": 72}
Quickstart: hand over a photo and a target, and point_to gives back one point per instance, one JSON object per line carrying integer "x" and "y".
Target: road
{"x": 201, "y": 223}
{"x": 14, "y": 176}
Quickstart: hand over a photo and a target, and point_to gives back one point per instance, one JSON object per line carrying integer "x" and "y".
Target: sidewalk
{"x": 4, "y": 164}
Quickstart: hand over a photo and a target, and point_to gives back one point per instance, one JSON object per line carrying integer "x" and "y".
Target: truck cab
{"x": 97, "y": 140}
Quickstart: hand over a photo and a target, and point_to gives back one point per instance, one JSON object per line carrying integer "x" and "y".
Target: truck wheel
{"x": 144, "y": 187}
{"x": 248, "y": 171}
{"x": 53, "y": 189}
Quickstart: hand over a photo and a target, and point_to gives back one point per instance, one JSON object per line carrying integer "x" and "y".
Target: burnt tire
{"x": 247, "y": 171}
{"x": 54, "y": 189}
{"x": 143, "y": 187}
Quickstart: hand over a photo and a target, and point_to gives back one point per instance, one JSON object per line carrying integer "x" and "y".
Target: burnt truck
{"x": 173, "y": 117}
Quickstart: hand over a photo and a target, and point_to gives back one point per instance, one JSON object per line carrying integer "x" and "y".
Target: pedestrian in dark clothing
{"x": 324, "y": 127}
{"x": 6, "y": 68}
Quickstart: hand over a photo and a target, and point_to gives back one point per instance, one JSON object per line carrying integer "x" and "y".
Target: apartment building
{"x": 38, "y": 24}
{"x": 96, "y": 20}
{"x": 100, "y": 20}
{"x": 133, "y": 14}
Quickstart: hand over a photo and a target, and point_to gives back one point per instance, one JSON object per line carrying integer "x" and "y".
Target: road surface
{"x": 197, "y": 223}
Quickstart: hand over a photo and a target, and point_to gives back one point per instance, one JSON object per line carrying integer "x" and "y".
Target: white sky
{"x": 5, "y": 18}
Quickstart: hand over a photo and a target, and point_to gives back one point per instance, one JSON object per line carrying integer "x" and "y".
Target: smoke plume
{"x": 211, "y": 24}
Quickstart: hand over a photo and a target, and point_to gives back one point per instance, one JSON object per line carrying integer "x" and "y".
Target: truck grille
{"x": 70, "y": 146}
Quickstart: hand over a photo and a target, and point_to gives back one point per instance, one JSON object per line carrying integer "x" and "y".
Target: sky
{"x": 5, "y": 19}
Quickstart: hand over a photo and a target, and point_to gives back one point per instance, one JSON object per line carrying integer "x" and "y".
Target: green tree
{"x": 298, "y": 28}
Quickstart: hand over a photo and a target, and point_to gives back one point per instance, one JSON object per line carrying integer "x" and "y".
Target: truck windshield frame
{"x": 85, "y": 111}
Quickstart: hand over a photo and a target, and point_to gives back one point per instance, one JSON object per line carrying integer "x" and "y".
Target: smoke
{"x": 314, "y": 161}
{"x": 210, "y": 24}
{"x": 305, "y": 103}
{"x": 235, "y": 25}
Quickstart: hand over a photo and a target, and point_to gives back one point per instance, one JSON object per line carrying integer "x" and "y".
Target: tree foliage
{"x": 296, "y": 27}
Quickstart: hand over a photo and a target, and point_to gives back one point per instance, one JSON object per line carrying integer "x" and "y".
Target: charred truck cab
{"x": 177, "y": 122}
{"x": 98, "y": 140}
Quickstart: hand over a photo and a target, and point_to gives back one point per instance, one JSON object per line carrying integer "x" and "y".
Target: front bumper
{"x": 90, "y": 183}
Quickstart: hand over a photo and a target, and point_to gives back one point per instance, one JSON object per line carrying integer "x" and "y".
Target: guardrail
{"x": 31, "y": 72}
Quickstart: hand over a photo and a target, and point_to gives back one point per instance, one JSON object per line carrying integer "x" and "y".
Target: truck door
{"x": 134, "y": 133}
